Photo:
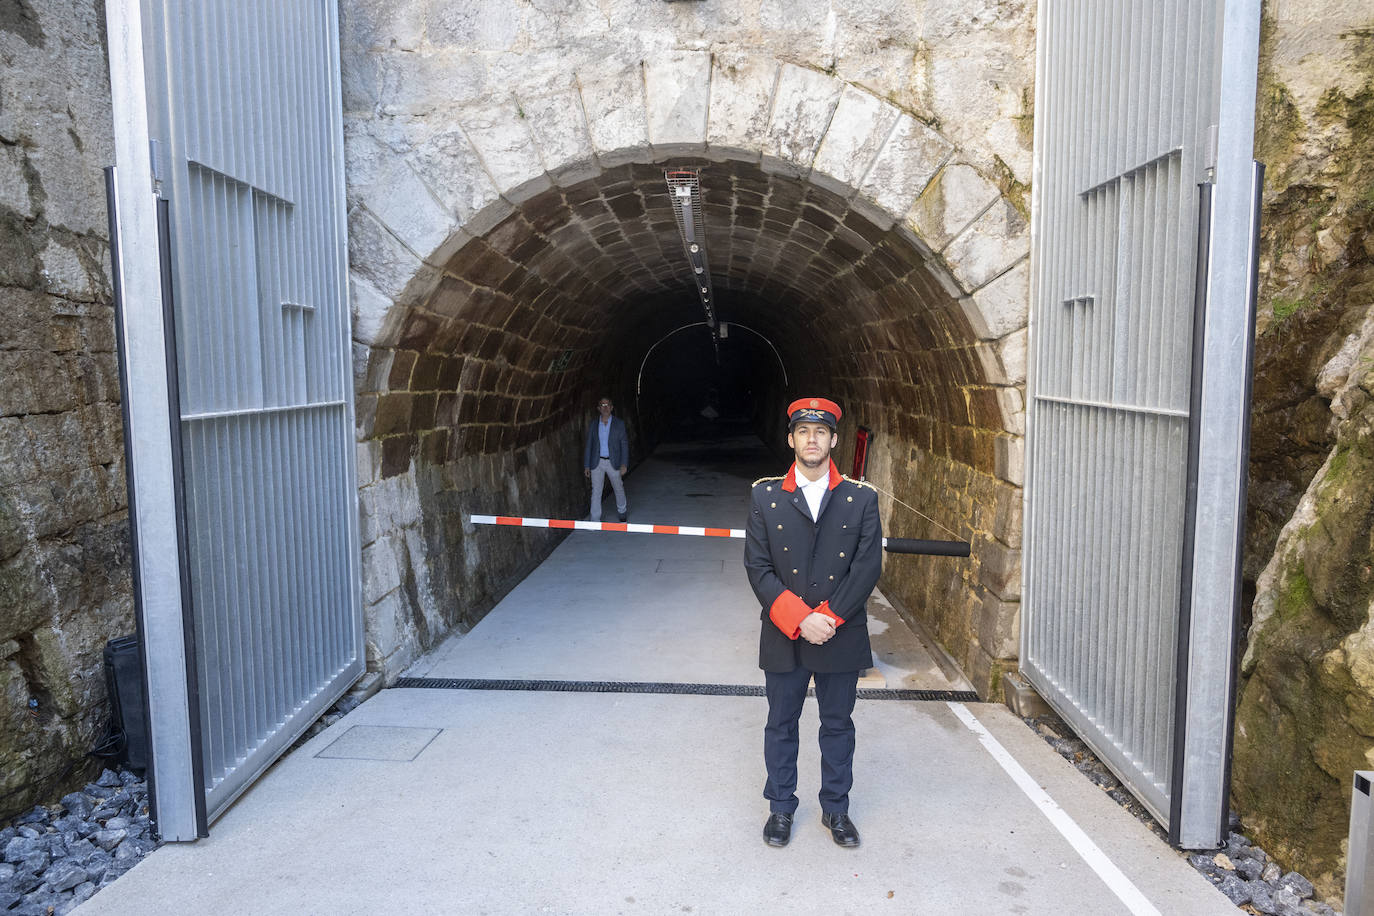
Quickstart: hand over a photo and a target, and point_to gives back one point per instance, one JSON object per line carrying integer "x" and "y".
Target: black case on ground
{"x": 124, "y": 681}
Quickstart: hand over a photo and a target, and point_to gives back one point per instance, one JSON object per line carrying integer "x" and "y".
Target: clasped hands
{"x": 817, "y": 629}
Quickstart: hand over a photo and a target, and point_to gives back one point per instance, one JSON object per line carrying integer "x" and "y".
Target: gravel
{"x": 55, "y": 858}
{"x": 1241, "y": 870}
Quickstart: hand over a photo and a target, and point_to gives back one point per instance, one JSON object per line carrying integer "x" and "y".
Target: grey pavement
{"x": 505, "y": 802}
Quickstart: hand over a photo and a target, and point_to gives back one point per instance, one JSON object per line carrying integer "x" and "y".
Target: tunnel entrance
{"x": 477, "y": 400}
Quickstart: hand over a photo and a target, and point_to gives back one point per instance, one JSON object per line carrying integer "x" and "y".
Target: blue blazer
{"x": 618, "y": 441}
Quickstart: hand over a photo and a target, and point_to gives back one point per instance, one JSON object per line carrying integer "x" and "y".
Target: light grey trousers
{"x": 603, "y": 470}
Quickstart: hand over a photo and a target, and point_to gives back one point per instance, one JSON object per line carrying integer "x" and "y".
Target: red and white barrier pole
{"x": 891, "y": 545}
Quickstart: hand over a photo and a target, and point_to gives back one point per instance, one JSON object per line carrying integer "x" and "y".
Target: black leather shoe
{"x": 841, "y": 828}
{"x": 778, "y": 830}
{"x": 624, "y": 516}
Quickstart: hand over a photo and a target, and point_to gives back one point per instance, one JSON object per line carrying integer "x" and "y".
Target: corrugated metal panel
{"x": 1128, "y": 99}
{"x": 249, "y": 133}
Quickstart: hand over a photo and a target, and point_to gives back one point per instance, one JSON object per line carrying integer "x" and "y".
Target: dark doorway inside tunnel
{"x": 692, "y": 387}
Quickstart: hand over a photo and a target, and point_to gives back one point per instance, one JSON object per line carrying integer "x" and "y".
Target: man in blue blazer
{"x": 607, "y": 454}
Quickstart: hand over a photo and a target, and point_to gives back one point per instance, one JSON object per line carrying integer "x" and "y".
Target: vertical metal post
{"x": 176, "y": 796}
{"x": 1221, "y": 426}
{"x": 1359, "y": 892}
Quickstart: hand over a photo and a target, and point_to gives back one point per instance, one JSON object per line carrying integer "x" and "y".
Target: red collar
{"x": 789, "y": 482}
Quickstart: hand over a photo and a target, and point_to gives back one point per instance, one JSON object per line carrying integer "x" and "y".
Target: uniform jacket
{"x": 619, "y": 443}
{"x": 796, "y": 566}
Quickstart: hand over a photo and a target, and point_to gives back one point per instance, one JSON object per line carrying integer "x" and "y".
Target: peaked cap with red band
{"x": 813, "y": 410}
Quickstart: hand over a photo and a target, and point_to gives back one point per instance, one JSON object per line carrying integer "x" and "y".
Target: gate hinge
{"x": 155, "y": 166}
{"x": 1209, "y": 159}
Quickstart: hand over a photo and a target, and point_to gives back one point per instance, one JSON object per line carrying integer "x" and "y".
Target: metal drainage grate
{"x": 712, "y": 690}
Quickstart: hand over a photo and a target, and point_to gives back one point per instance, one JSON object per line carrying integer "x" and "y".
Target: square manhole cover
{"x": 380, "y": 742}
{"x": 699, "y": 567}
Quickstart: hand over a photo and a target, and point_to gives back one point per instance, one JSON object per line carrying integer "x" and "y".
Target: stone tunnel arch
{"x": 510, "y": 266}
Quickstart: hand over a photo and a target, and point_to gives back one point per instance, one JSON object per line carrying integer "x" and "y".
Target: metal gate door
{"x": 1141, "y": 325}
{"x": 230, "y": 114}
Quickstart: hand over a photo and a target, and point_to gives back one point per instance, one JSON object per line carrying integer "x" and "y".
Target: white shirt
{"x": 813, "y": 490}
{"x": 605, "y": 430}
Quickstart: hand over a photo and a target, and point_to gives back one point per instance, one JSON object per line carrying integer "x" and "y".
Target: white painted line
{"x": 1112, "y": 876}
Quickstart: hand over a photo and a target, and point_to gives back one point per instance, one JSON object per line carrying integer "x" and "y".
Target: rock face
{"x": 1306, "y": 714}
{"x": 64, "y": 554}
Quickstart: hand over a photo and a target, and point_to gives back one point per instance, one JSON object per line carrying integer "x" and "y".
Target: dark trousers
{"x": 835, "y": 696}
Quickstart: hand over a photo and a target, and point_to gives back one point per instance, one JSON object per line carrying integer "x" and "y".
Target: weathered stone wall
{"x": 64, "y": 553}
{"x": 1306, "y": 715}
{"x": 866, "y": 168}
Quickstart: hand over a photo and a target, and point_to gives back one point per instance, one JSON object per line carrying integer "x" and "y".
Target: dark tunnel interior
{"x": 585, "y": 291}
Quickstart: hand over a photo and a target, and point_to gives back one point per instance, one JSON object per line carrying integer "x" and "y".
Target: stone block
{"x": 394, "y": 271}
{"x": 73, "y": 186}
{"x": 1012, "y": 351}
{"x": 990, "y": 361}
{"x": 560, "y": 133}
{"x": 397, "y": 502}
{"x": 858, "y": 131}
{"x": 1000, "y": 567}
{"x": 485, "y": 26}
{"x": 381, "y": 569}
{"x": 360, "y": 355}
{"x": 393, "y": 414}
{"x": 64, "y": 275}
{"x": 482, "y": 222}
{"x": 444, "y": 159}
{"x": 677, "y": 90}
{"x": 364, "y": 414}
{"x": 741, "y": 96}
{"x": 1013, "y": 403}
{"x": 62, "y": 443}
{"x": 978, "y": 667}
{"x": 613, "y": 99}
{"x": 1008, "y": 514}
{"x": 1003, "y": 306}
{"x": 368, "y": 461}
{"x": 17, "y": 459}
{"x": 989, "y": 246}
{"x": 381, "y": 25}
{"x": 375, "y": 322}
{"x": 905, "y": 166}
{"x": 957, "y": 196}
{"x": 15, "y": 192}
{"x": 1011, "y": 459}
{"x": 36, "y": 382}
{"x": 385, "y": 184}
{"x": 1021, "y": 697}
{"x": 398, "y": 453}
{"x": 998, "y": 627}
{"x": 802, "y": 106}
{"x": 388, "y": 628}
{"x": 505, "y": 143}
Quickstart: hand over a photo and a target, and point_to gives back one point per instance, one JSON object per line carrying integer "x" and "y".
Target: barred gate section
{"x": 246, "y": 128}
{"x": 1128, "y": 120}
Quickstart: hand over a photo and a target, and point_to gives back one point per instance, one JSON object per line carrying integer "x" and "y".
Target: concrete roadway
{"x": 506, "y": 802}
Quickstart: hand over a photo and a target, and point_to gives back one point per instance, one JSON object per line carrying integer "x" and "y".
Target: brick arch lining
{"x": 476, "y": 401}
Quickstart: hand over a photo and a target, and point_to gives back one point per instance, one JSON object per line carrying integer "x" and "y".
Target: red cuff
{"x": 825, "y": 609}
{"x": 787, "y": 613}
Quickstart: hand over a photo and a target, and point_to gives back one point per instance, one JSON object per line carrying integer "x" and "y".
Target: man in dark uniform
{"x": 813, "y": 553}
